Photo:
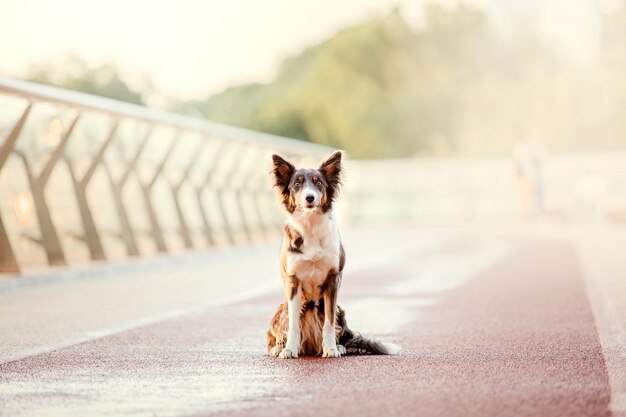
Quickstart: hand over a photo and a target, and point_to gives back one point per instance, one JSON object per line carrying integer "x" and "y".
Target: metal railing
{"x": 86, "y": 178}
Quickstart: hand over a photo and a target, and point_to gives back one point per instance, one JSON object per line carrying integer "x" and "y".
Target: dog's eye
{"x": 296, "y": 184}
{"x": 319, "y": 183}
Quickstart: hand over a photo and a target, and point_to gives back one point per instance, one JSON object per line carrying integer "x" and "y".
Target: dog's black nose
{"x": 309, "y": 198}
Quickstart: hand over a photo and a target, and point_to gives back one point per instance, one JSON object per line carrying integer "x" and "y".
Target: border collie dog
{"x": 312, "y": 259}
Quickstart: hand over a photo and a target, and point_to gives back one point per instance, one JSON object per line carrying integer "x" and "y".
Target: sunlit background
{"x": 466, "y": 111}
{"x": 482, "y": 210}
{"x": 377, "y": 78}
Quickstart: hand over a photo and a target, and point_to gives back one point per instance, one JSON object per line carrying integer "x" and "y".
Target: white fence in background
{"x": 576, "y": 188}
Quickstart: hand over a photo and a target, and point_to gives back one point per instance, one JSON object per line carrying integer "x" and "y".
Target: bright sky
{"x": 189, "y": 48}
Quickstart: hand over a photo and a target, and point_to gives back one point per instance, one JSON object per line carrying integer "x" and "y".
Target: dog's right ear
{"x": 283, "y": 170}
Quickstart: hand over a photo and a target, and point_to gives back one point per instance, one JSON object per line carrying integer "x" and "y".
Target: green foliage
{"x": 378, "y": 89}
{"x": 336, "y": 93}
{"x": 73, "y": 74}
{"x": 385, "y": 89}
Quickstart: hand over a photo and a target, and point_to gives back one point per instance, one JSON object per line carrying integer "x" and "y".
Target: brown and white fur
{"x": 312, "y": 260}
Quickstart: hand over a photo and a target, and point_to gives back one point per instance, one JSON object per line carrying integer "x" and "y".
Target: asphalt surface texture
{"x": 490, "y": 324}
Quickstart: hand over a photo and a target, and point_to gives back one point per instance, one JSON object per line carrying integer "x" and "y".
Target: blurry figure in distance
{"x": 527, "y": 160}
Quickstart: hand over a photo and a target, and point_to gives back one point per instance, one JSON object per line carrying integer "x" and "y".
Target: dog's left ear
{"x": 283, "y": 170}
{"x": 331, "y": 168}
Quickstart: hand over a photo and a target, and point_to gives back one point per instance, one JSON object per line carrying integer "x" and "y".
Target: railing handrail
{"x": 240, "y": 213}
{"x": 37, "y": 92}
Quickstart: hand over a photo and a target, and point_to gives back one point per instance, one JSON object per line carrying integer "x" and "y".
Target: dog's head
{"x": 308, "y": 189}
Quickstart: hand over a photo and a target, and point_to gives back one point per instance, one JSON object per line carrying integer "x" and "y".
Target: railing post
{"x": 127, "y": 234}
{"x": 255, "y": 180}
{"x": 91, "y": 235}
{"x": 184, "y": 229}
{"x": 146, "y": 191}
{"x": 200, "y": 189}
{"x": 221, "y": 190}
{"x": 247, "y": 167}
{"x": 49, "y": 237}
{"x": 261, "y": 194}
{"x": 8, "y": 262}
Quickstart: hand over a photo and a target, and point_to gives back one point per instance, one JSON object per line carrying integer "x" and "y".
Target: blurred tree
{"x": 73, "y": 73}
{"x": 452, "y": 86}
{"x": 334, "y": 93}
{"x": 378, "y": 89}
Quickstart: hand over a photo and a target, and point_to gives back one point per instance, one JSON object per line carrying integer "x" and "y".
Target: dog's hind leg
{"x": 329, "y": 288}
{"x": 294, "y": 304}
{"x": 277, "y": 332}
{"x": 274, "y": 346}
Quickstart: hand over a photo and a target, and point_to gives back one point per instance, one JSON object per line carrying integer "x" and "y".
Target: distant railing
{"x": 86, "y": 178}
{"x": 575, "y": 188}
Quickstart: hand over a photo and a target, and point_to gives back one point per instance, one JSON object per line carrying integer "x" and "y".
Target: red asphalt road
{"x": 518, "y": 339}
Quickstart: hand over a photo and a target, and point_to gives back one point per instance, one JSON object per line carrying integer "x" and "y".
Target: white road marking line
{"x": 134, "y": 324}
{"x": 610, "y": 331}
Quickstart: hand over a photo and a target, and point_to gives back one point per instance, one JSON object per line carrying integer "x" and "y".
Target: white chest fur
{"x": 320, "y": 248}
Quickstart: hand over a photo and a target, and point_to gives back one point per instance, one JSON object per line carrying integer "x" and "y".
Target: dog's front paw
{"x": 287, "y": 353}
{"x": 331, "y": 352}
{"x": 341, "y": 349}
{"x": 275, "y": 351}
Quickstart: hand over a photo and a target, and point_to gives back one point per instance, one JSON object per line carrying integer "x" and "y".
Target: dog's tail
{"x": 360, "y": 345}
{"x": 356, "y": 344}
